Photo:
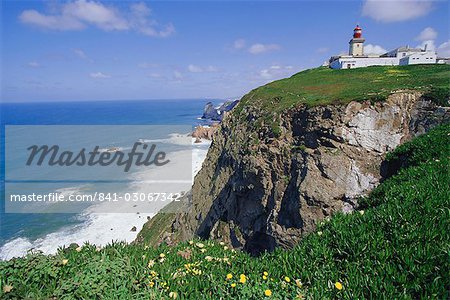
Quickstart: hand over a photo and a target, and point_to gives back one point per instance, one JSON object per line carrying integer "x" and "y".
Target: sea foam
{"x": 97, "y": 228}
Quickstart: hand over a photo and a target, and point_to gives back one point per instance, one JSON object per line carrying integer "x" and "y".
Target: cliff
{"x": 298, "y": 150}
{"x": 216, "y": 114}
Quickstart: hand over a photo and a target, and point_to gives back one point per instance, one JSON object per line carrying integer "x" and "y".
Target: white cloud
{"x": 396, "y": 10}
{"x": 323, "y": 50}
{"x": 239, "y": 44}
{"x": 427, "y": 37}
{"x": 195, "y": 69}
{"x": 430, "y": 45}
{"x": 274, "y": 72}
{"x": 99, "y": 75}
{"x": 427, "y": 34}
{"x": 263, "y": 48}
{"x": 34, "y": 64}
{"x": 141, "y": 22}
{"x": 91, "y": 12}
{"x": 55, "y": 22}
{"x": 155, "y": 75}
{"x": 80, "y": 53}
{"x": 256, "y": 48}
{"x": 80, "y": 14}
{"x": 444, "y": 49}
{"x": 199, "y": 69}
{"x": 374, "y": 49}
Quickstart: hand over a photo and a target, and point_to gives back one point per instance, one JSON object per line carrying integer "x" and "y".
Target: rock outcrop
{"x": 216, "y": 114}
{"x": 205, "y": 132}
{"x": 257, "y": 190}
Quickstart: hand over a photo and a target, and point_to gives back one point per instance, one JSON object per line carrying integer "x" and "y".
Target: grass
{"x": 325, "y": 86}
{"x": 396, "y": 248}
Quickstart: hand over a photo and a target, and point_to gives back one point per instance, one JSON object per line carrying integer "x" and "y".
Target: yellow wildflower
{"x": 319, "y": 233}
{"x": 195, "y": 271}
{"x": 65, "y": 261}
{"x": 242, "y": 278}
{"x": 200, "y": 245}
{"x": 287, "y": 279}
{"x": 268, "y": 293}
{"x": 162, "y": 255}
{"x": 225, "y": 248}
{"x": 338, "y": 285}
{"x": 151, "y": 284}
{"x": 233, "y": 285}
{"x": 78, "y": 249}
{"x": 298, "y": 283}
{"x": 229, "y": 276}
{"x": 208, "y": 258}
{"x": 265, "y": 273}
{"x": 264, "y": 277}
{"x": 361, "y": 212}
{"x": 222, "y": 244}
{"x": 202, "y": 250}
{"x": 191, "y": 242}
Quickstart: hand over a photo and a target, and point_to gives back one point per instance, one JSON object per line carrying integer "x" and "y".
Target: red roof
{"x": 357, "y": 27}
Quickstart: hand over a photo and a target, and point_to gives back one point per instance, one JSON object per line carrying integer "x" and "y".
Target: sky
{"x": 85, "y": 50}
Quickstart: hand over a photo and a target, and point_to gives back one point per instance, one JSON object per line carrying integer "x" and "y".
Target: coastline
{"x": 95, "y": 228}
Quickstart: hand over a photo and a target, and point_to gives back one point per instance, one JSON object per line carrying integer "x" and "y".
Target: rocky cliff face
{"x": 258, "y": 190}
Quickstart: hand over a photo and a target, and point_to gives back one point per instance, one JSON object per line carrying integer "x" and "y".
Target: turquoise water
{"x": 152, "y": 112}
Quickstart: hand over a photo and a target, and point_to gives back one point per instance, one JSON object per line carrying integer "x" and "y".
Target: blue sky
{"x": 115, "y": 50}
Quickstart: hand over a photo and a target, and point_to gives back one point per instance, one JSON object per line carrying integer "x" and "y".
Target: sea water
{"x": 46, "y": 232}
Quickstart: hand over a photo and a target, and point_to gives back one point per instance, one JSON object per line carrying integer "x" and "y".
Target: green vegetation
{"x": 324, "y": 86}
{"x": 396, "y": 248}
{"x": 439, "y": 95}
{"x": 153, "y": 230}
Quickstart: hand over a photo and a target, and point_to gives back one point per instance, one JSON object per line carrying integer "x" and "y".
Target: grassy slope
{"x": 397, "y": 249}
{"x": 322, "y": 86}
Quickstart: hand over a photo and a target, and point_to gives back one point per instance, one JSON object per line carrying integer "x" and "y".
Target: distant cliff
{"x": 297, "y": 150}
{"x": 217, "y": 113}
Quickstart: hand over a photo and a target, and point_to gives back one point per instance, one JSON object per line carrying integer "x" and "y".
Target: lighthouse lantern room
{"x": 357, "y": 42}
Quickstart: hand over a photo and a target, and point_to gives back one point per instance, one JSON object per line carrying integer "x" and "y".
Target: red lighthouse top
{"x": 357, "y": 32}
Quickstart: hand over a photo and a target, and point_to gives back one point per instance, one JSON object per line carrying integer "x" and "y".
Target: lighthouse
{"x": 357, "y": 43}
{"x": 398, "y": 57}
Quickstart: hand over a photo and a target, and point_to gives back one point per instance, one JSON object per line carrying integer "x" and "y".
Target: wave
{"x": 174, "y": 138}
{"x": 98, "y": 228}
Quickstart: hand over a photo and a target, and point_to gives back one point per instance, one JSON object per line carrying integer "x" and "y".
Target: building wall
{"x": 356, "y": 49}
{"x": 428, "y": 57}
{"x": 360, "y": 62}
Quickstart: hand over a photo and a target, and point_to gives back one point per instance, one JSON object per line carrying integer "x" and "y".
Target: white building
{"x": 400, "y": 56}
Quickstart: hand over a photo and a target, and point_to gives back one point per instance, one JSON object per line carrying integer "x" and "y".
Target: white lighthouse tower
{"x": 357, "y": 43}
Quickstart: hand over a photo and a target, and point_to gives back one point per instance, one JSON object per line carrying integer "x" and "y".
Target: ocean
{"x": 20, "y": 232}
